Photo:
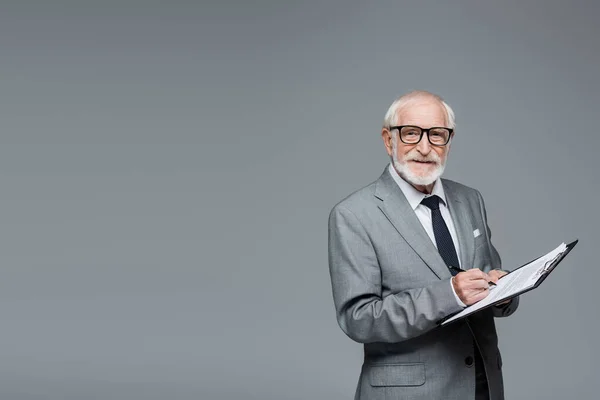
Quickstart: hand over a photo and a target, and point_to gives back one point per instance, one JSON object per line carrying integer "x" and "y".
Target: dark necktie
{"x": 443, "y": 239}
{"x": 448, "y": 252}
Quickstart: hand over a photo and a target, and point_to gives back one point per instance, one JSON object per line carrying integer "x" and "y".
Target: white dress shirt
{"x": 414, "y": 198}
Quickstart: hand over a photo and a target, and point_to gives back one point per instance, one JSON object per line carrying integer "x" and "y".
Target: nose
{"x": 424, "y": 147}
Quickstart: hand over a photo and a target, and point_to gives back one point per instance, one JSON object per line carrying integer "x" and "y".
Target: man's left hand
{"x": 494, "y": 275}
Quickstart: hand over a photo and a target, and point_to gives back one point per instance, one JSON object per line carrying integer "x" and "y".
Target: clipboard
{"x": 548, "y": 268}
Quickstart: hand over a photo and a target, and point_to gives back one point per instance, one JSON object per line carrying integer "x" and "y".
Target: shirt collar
{"x": 413, "y": 196}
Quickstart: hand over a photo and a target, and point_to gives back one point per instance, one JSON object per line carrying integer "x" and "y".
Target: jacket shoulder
{"x": 357, "y": 201}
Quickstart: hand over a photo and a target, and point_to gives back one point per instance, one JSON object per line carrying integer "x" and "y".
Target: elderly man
{"x": 408, "y": 250}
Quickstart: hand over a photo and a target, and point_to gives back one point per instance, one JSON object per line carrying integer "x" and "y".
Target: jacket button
{"x": 469, "y": 361}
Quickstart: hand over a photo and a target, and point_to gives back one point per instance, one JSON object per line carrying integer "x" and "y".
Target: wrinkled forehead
{"x": 424, "y": 113}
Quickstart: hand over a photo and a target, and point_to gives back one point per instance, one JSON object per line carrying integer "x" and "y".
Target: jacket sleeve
{"x": 509, "y": 308}
{"x": 361, "y": 310}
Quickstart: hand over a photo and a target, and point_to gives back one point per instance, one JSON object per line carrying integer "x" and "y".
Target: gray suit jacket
{"x": 391, "y": 287}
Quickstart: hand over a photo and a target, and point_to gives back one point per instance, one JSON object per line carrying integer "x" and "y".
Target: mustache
{"x": 433, "y": 158}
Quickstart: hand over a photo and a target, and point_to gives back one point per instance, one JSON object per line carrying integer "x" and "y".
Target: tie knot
{"x": 432, "y": 202}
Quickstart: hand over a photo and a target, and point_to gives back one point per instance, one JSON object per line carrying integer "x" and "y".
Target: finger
{"x": 474, "y": 298}
{"x": 476, "y": 273}
{"x": 498, "y": 272}
{"x": 478, "y": 284}
{"x": 462, "y": 277}
{"x": 471, "y": 285}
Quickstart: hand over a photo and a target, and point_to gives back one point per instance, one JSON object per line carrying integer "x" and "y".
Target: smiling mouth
{"x": 423, "y": 162}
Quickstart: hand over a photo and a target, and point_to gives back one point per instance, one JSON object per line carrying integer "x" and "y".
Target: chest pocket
{"x": 480, "y": 240}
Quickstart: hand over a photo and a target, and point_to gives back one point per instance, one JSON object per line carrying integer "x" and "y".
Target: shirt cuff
{"x": 458, "y": 300}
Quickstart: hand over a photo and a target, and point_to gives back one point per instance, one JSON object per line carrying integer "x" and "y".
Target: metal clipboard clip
{"x": 549, "y": 264}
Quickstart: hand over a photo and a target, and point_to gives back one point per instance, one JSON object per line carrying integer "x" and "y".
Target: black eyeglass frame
{"x": 423, "y": 130}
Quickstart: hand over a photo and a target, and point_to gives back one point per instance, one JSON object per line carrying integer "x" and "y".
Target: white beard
{"x": 405, "y": 171}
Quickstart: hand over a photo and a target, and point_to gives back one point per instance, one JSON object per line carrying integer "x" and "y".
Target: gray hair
{"x": 391, "y": 116}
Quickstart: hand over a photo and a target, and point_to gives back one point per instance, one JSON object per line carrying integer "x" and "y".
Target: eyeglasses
{"x": 411, "y": 134}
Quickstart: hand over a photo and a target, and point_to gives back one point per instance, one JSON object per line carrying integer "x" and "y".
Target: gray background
{"x": 167, "y": 169}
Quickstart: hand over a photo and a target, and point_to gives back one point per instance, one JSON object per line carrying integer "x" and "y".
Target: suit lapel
{"x": 463, "y": 224}
{"x": 399, "y": 212}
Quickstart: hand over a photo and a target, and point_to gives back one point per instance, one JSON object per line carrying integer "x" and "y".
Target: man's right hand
{"x": 471, "y": 286}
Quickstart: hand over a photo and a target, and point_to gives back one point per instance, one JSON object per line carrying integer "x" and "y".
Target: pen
{"x": 462, "y": 270}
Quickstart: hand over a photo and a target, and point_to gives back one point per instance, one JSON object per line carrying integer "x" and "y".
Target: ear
{"x": 386, "y": 135}
{"x": 451, "y": 139}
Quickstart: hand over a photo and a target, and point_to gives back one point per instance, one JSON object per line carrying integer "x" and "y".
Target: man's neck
{"x": 422, "y": 188}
